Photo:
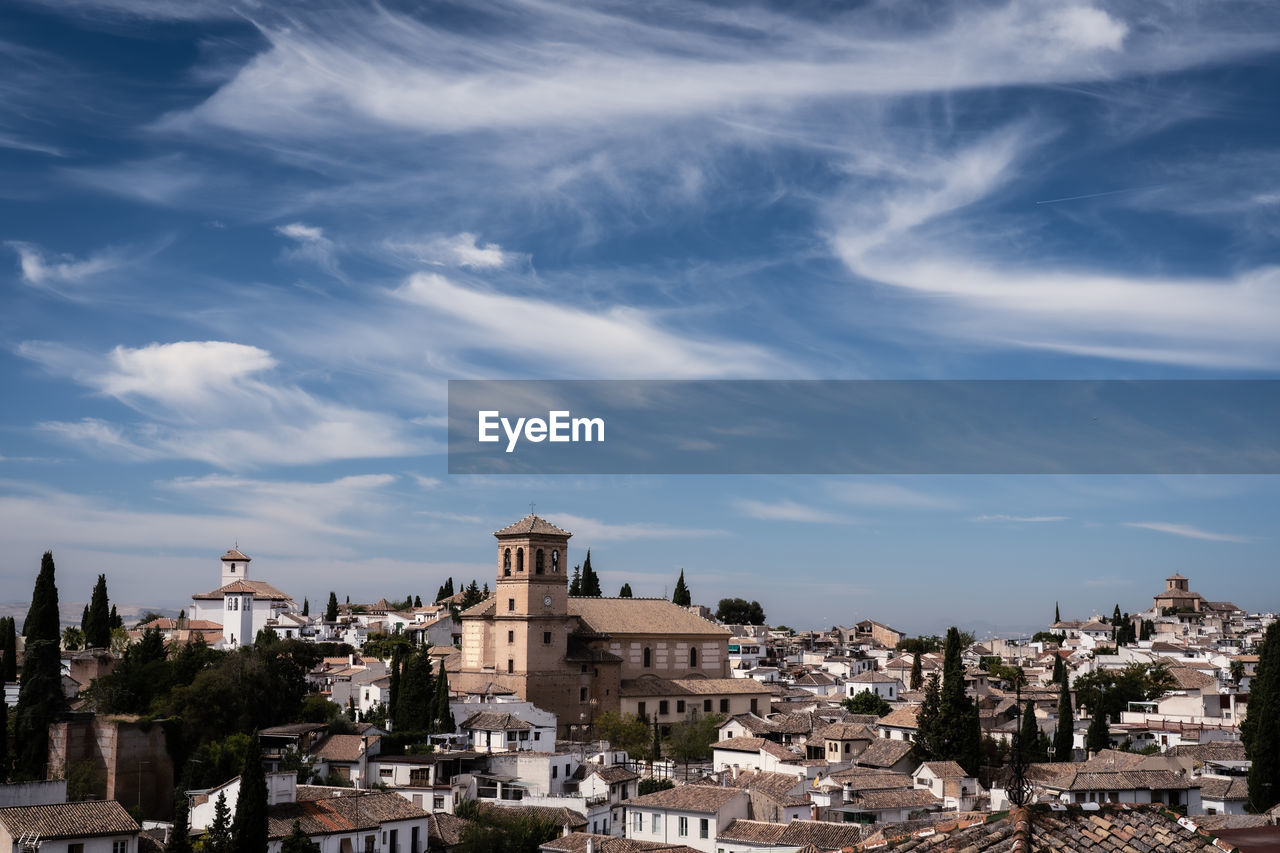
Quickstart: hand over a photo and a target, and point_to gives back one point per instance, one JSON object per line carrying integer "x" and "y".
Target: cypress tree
{"x": 97, "y": 630}
{"x": 40, "y": 699}
{"x": 1064, "y": 736}
{"x": 917, "y": 671}
{"x": 1261, "y": 729}
{"x": 417, "y": 601}
{"x": 625, "y": 592}
{"x": 1029, "y": 735}
{"x": 84, "y": 619}
{"x": 1057, "y": 615}
{"x": 116, "y": 620}
{"x": 249, "y": 829}
{"x": 413, "y": 704}
{"x": 43, "y": 622}
{"x": 1098, "y": 737}
{"x": 590, "y": 582}
{"x": 217, "y": 838}
{"x": 9, "y": 663}
{"x": 442, "y": 720}
{"x": 575, "y": 583}
{"x": 393, "y": 689}
{"x": 681, "y": 595}
{"x": 4, "y": 739}
{"x": 331, "y": 611}
{"x": 180, "y": 835}
{"x": 306, "y": 606}
{"x": 1059, "y": 670}
{"x": 926, "y": 720}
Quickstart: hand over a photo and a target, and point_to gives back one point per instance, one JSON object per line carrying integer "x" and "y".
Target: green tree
{"x": 575, "y": 582}
{"x": 417, "y": 601}
{"x": 1064, "y": 735}
{"x": 1098, "y": 737}
{"x": 473, "y": 596}
{"x": 393, "y": 687}
{"x": 652, "y": 785}
{"x": 298, "y": 841}
{"x": 97, "y": 629}
{"x": 1059, "y": 670}
{"x": 442, "y": 720}
{"x": 217, "y": 839}
{"x": 249, "y": 829}
{"x": 956, "y": 734}
{"x": 495, "y": 830}
{"x": 866, "y": 702}
{"x": 116, "y": 621}
{"x": 9, "y": 663}
{"x": 1113, "y": 689}
{"x": 72, "y": 638}
{"x": 738, "y": 611}
{"x": 40, "y": 699}
{"x": 625, "y": 592}
{"x": 1031, "y": 740}
{"x": 625, "y": 731}
{"x": 1057, "y": 614}
{"x": 417, "y": 689}
{"x": 1261, "y": 729}
{"x": 331, "y": 611}
{"x": 681, "y": 596}
{"x": 4, "y": 738}
{"x": 926, "y": 720}
{"x": 180, "y": 835}
{"x": 306, "y": 606}
{"x": 590, "y": 586}
{"x": 691, "y": 739}
{"x": 917, "y": 676}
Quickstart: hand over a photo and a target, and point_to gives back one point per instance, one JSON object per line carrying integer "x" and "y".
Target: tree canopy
{"x": 97, "y": 626}
{"x": 1261, "y": 729}
{"x": 866, "y": 702}
{"x": 739, "y": 611}
{"x": 681, "y": 596}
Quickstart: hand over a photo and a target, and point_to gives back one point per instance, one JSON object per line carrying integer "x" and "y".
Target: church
{"x": 243, "y": 607}
{"x": 580, "y": 657}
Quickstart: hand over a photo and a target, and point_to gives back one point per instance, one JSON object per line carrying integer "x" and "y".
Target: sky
{"x": 245, "y": 245}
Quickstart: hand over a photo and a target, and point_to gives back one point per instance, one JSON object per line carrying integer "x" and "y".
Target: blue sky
{"x": 245, "y": 245}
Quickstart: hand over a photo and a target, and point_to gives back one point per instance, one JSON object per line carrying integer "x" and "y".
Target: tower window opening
{"x": 537, "y": 562}
{"x": 519, "y": 560}
{"x": 506, "y": 562}
{"x": 555, "y": 562}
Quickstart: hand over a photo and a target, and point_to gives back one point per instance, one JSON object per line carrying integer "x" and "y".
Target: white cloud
{"x": 789, "y": 510}
{"x": 312, "y": 246}
{"x": 1189, "y": 532}
{"x": 206, "y": 400}
{"x": 887, "y": 495}
{"x": 300, "y": 505}
{"x": 303, "y": 233}
{"x": 591, "y": 530}
{"x": 41, "y": 270}
{"x": 1021, "y": 519}
{"x": 621, "y": 342}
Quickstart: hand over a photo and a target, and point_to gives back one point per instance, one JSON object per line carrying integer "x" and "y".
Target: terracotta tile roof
{"x": 641, "y": 616}
{"x": 235, "y": 554}
{"x": 911, "y": 798}
{"x": 652, "y": 686}
{"x": 445, "y": 830}
{"x": 845, "y": 731}
{"x": 884, "y": 752}
{"x": 751, "y": 832}
{"x": 1110, "y": 830}
{"x": 824, "y": 835}
{"x": 752, "y": 723}
{"x": 702, "y": 799}
{"x": 69, "y": 820}
{"x": 945, "y": 769}
{"x": 559, "y": 816}
{"x": 872, "y": 676}
{"x": 615, "y": 773}
{"x": 494, "y": 721}
{"x": 860, "y": 779}
{"x": 1211, "y": 751}
{"x": 338, "y": 814}
{"x": 1189, "y": 678}
{"x": 1118, "y": 780}
{"x": 779, "y": 787}
{"x": 532, "y": 524}
{"x": 740, "y": 744}
{"x": 259, "y": 589}
{"x": 343, "y": 748}
{"x": 577, "y": 842}
{"x": 1223, "y": 788}
{"x": 903, "y": 718}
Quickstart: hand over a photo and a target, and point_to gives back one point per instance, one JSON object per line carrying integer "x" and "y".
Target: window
{"x": 546, "y": 638}
{"x": 640, "y": 710}
{"x": 682, "y": 827}
{"x": 75, "y": 848}
{"x": 519, "y": 560}
{"x": 693, "y": 658}
{"x": 648, "y": 658}
{"x": 511, "y": 665}
{"x": 537, "y": 562}
{"x": 704, "y": 826}
{"x": 554, "y": 771}
{"x": 663, "y": 708}
{"x": 506, "y": 562}
{"x": 511, "y": 604}
{"x": 537, "y": 735}
{"x": 724, "y": 706}
{"x": 679, "y": 706}
{"x": 706, "y": 706}
{"x": 555, "y": 562}
{"x": 385, "y": 772}
{"x": 755, "y": 706}
{"x": 655, "y": 825}
{"x": 122, "y": 846}
{"x": 511, "y": 636}
{"x": 637, "y": 822}
{"x": 582, "y": 694}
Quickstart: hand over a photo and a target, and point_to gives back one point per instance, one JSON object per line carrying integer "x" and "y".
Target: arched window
{"x": 555, "y": 562}
{"x": 519, "y": 560}
{"x": 537, "y": 562}
{"x": 648, "y": 658}
{"x": 506, "y": 562}
{"x": 693, "y": 658}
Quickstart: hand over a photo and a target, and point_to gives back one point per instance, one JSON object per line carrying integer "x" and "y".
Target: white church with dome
{"x": 243, "y": 607}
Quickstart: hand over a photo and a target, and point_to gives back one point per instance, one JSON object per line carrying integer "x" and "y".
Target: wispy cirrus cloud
{"x": 590, "y": 530}
{"x": 1188, "y": 531}
{"x": 64, "y": 274}
{"x": 1020, "y": 519}
{"x": 210, "y": 401}
{"x": 789, "y": 510}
